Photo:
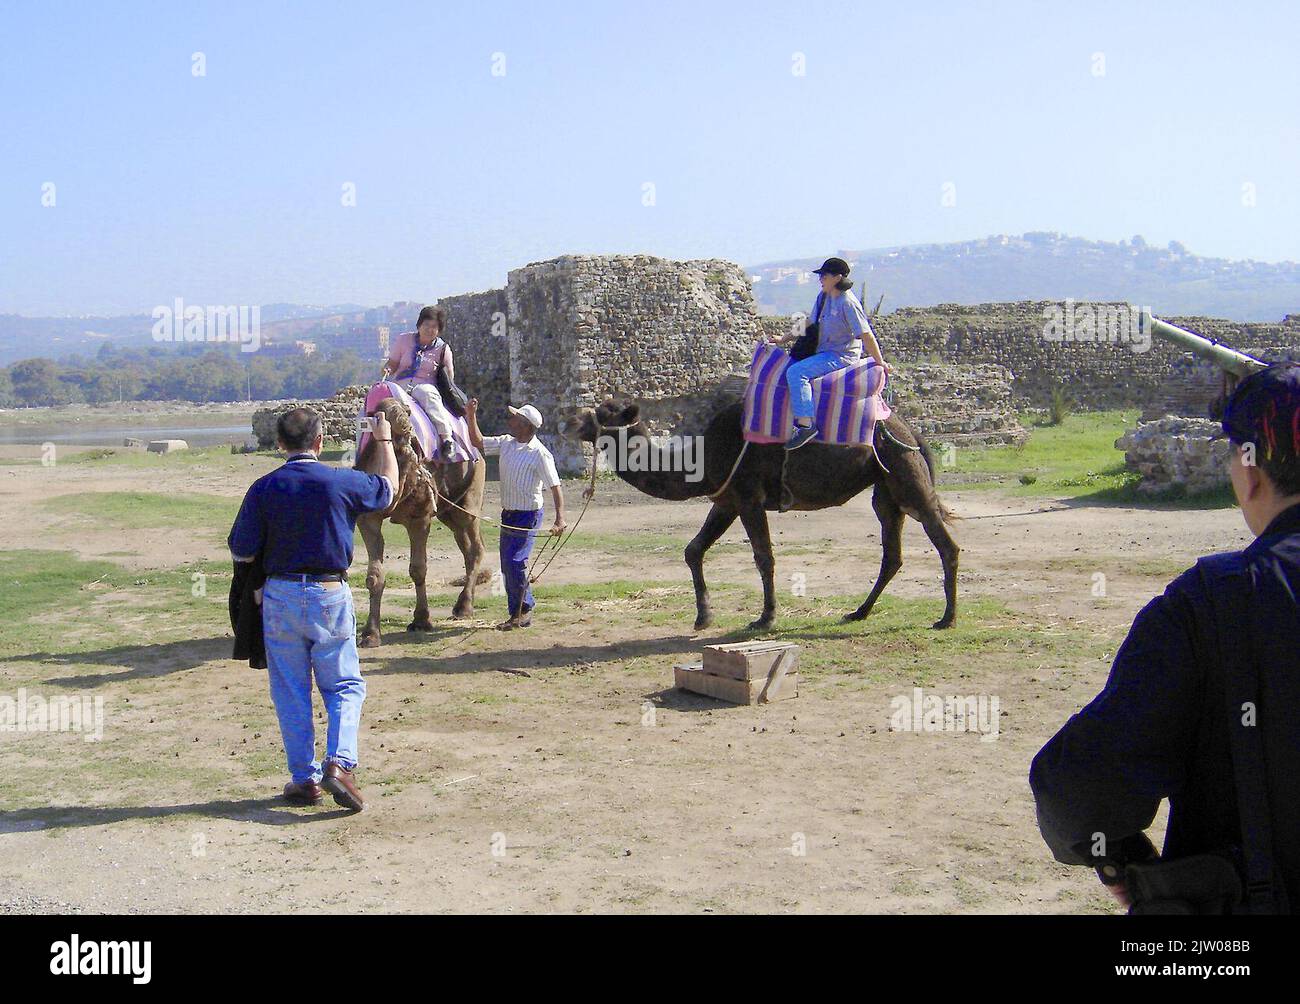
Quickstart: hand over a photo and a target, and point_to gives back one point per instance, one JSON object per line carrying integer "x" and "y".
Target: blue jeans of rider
{"x": 311, "y": 629}
{"x": 799, "y": 377}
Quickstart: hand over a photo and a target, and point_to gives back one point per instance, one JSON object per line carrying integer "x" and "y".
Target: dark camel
{"x": 413, "y": 508}
{"x": 818, "y": 475}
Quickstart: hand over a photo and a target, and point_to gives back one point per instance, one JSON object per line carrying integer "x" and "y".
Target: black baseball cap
{"x": 1265, "y": 410}
{"x": 833, "y": 266}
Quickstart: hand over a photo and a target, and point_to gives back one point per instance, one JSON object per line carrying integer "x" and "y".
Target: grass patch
{"x": 57, "y": 604}
{"x": 211, "y": 457}
{"x": 147, "y": 510}
{"x": 1077, "y": 458}
{"x": 1160, "y": 568}
{"x": 894, "y": 644}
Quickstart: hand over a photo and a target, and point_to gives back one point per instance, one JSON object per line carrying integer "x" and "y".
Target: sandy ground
{"x": 556, "y": 769}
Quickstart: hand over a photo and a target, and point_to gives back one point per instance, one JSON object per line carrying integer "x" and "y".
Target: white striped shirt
{"x": 527, "y": 469}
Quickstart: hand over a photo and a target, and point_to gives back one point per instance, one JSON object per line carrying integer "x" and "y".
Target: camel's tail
{"x": 947, "y": 514}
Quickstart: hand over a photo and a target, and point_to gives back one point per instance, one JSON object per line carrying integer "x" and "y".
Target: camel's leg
{"x": 715, "y": 525}
{"x": 372, "y": 535}
{"x": 418, "y": 530}
{"x": 470, "y": 541}
{"x": 937, "y": 531}
{"x": 754, "y": 519}
{"x": 891, "y": 519}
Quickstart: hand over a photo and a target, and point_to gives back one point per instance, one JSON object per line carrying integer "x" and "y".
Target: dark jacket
{"x": 246, "y": 612}
{"x": 1160, "y": 726}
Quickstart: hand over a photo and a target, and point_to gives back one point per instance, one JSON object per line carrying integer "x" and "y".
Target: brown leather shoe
{"x": 307, "y": 793}
{"x": 339, "y": 783}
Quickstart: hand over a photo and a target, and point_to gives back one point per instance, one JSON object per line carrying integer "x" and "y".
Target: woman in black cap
{"x": 843, "y": 332}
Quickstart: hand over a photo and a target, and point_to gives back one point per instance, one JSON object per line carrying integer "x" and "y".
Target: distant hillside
{"x": 60, "y": 337}
{"x": 1046, "y": 266}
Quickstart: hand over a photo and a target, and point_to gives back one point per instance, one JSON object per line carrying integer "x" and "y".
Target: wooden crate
{"x": 693, "y": 677}
{"x": 747, "y": 660}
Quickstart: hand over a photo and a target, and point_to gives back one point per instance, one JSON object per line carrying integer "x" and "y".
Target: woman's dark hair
{"x": 844, "y": 285}
{"x": 435, "y": 314}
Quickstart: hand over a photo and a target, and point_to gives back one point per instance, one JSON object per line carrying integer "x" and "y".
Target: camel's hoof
{"x": 703, "y": 622}
{"x": 462, "y": 613}
{"x": 423, "y": 625}
{"x": 943, "y": 622}
{"x": 857, "y": 615}
{"x": 762, "y": 624}
{"x": 371, "y": 641}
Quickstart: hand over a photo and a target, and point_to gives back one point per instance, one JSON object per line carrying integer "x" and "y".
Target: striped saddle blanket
{"x": 426, "y": 436}
{"x": 847, "y": 401}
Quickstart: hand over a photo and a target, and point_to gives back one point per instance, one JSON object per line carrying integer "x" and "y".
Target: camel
{"x": 413, "y": 508}
{"x": 818, "y": 475}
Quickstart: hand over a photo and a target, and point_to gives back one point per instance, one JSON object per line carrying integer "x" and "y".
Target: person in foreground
{"x": 1200, "y": 707}
{"x": 301, "y": 518}
{"x": 527, "y": 468}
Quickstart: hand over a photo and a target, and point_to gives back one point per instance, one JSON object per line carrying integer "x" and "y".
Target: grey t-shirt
{"x": 843, "y": 323}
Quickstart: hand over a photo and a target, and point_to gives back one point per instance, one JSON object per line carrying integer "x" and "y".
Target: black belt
{"x": 310, "y": 576}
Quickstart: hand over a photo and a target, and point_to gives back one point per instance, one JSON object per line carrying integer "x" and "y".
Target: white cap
{"x": 529, "y": 414}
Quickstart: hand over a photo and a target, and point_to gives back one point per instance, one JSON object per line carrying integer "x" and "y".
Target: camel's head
{"x": 586, "y": 424}
{"x": 398, "y": 419}
{"x": 400, "y": 424}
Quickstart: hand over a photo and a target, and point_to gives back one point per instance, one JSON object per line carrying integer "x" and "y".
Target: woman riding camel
{"x": 414, "y": 361}
{"x": 843, "y": 330}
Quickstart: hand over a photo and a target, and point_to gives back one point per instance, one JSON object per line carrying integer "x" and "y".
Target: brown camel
{"x": 818, "y": 475}
{"x": 413, "y": 508}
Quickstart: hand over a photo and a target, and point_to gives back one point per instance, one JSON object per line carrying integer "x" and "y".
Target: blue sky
{"x": 227, "y": 187}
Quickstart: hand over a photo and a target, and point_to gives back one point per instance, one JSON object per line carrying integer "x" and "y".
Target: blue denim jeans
{"x": 515, "y": 549}
{"x": 310, "y": 628}
{"x": 799, "y": 377}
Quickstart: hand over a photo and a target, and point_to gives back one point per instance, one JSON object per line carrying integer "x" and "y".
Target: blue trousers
{"x": 799, "y": 377}
{"x": 309, "y": 628}
{"x": 516, "y": 546}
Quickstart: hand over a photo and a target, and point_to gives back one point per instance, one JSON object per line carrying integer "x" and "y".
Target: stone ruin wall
{"x": 1095, "y": 375}
{"x": 477, "y": 333}
{"x": 583, "y": 328}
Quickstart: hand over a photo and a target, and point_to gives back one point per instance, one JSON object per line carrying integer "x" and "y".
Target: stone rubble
{"x": 1176, "y": 453}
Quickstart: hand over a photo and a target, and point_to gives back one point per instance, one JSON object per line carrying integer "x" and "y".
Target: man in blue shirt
{"x": 1200, "y": 706}
{"x": 301, "y": 518}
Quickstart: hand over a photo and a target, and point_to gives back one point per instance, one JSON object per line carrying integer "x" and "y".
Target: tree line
{"x": 184, "y": 373}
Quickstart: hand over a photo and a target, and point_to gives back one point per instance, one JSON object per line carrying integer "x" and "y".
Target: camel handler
{"x": 301, "y": 518}
{"x": 527, "y": 468}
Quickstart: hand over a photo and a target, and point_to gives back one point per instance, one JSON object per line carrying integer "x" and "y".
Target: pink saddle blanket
{"x": 426, "y": 436}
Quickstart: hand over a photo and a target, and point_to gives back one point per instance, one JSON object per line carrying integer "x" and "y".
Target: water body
{"x": 113, "y": 435}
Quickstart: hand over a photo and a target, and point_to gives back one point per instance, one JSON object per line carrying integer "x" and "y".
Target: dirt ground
{"x": 556, "y": 769}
